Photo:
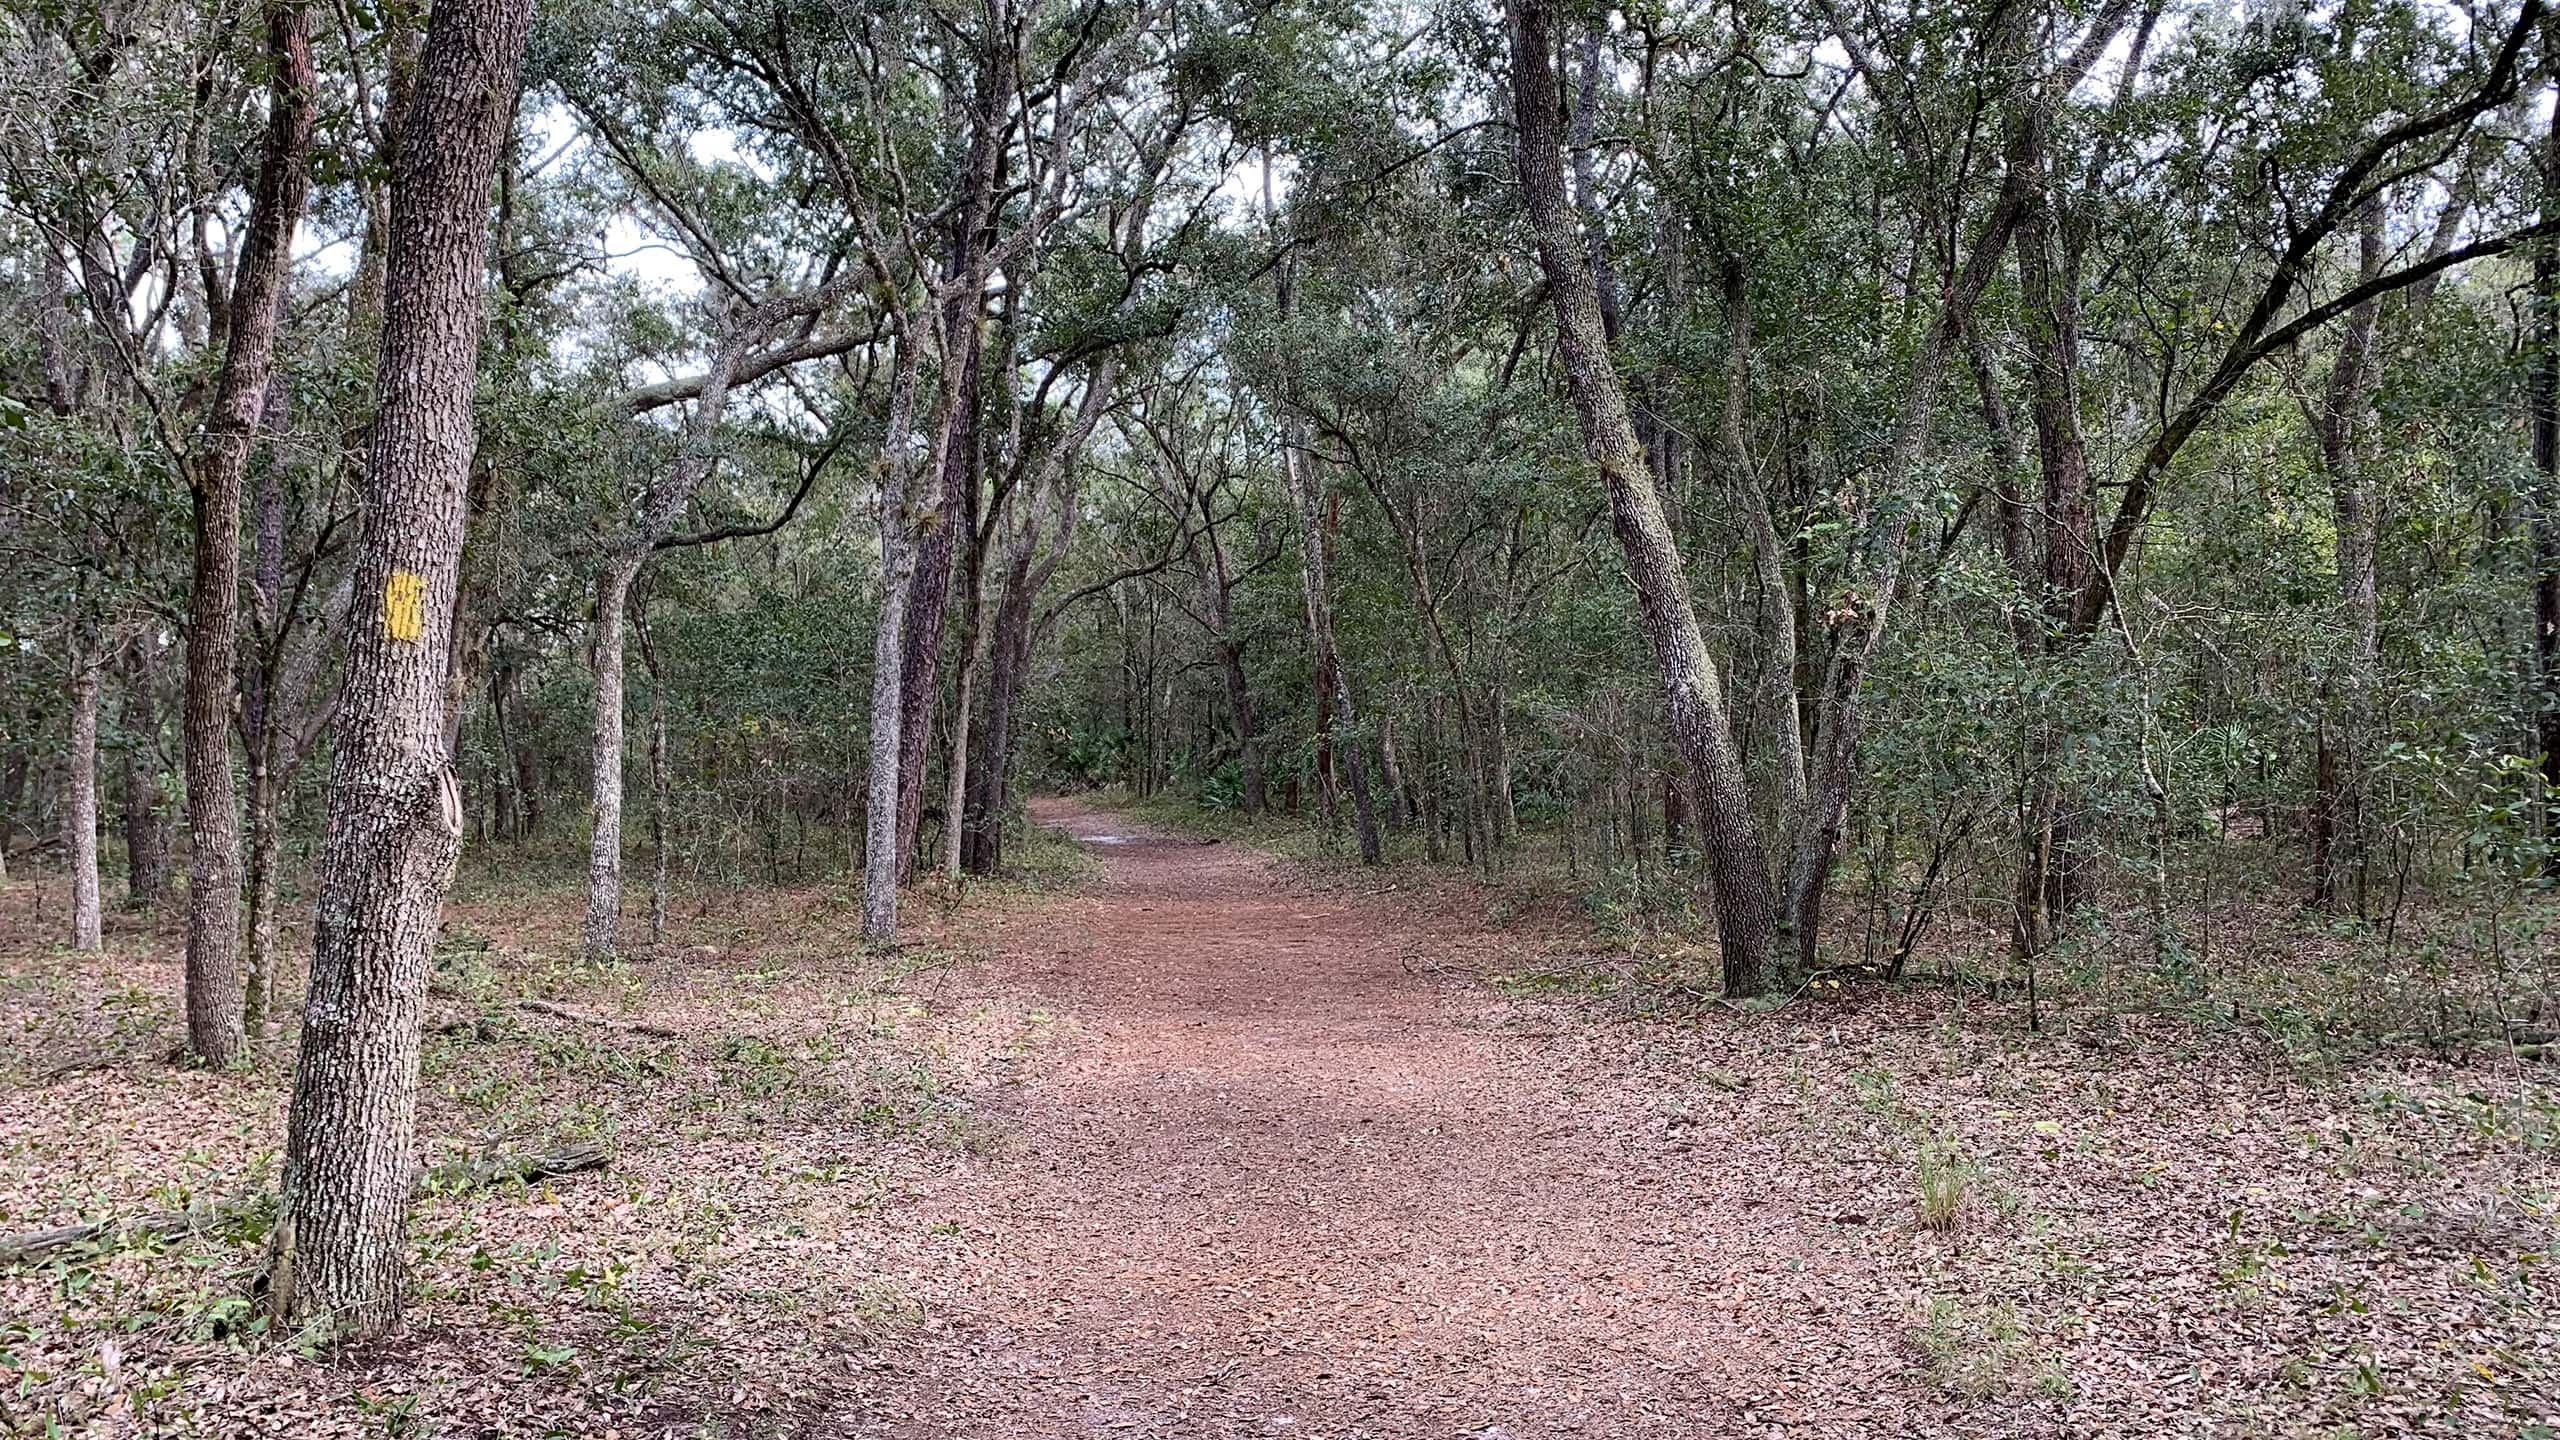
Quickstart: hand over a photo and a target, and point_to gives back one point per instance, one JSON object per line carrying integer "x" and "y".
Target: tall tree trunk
{"x": 1009, "y": 655}
{"x": 604, "y": 842}
{"x": 2052, "y": 880}
{"x": 338, "y": 1254}
{"x": 659, "y": 814}
{"x": 266, "y": 845}
{"x": 880, "y": 851}
{"x": 1341, "y": 736}
{"x": 80, "y": 800}
{"x": 262, "y": 724}
{"x": 214, "y": 1015}
{"x": 146, "y": 829}
{"x": 901, "y": 483}
{"x": 956, "y": 446}
{"x": 929, "y": 602}
{"x": 2346, "y": 734}
{"x": 1746, "y": 913}
{"x": 2545, "y": 399}
{"x": 958, "y": 784}
{"x": 1781, "y": 702}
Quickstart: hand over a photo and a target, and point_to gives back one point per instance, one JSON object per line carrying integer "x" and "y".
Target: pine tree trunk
{"x": 338, "y": 1255}
{"x": 604, "y": 843}
{"x": 80, "y": 803}
{"x": 214, "y": 989}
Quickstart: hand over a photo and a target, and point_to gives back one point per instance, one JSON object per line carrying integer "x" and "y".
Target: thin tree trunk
{"x": 1745, "y": 908}
{"x": 338, "y": 1254}
{"x": 880, "y": 856}
{"x": 80, "y": 802}
{"x": 146, "y": 829}
{"x": 2545, "y": 402}
{"x": 2345, "y": 735}
{"x": 659, "y": 813}
{"x": 215, "y": 1029}
{"x": 1340, "y": 736}
{"x": 982, "y": 850}
{"x": 956, "y": 790}
{"x": 1782, "y": 703}
{"x": 604, "y": 842}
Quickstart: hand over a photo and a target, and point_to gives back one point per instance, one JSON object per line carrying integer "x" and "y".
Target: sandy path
{"x": 1277, "y": 1182}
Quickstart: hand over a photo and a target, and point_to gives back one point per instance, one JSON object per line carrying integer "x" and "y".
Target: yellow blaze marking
{"x": 404, "y": 605}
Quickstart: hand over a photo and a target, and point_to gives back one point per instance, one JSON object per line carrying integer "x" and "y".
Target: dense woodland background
{"x": 2053, "y": 497}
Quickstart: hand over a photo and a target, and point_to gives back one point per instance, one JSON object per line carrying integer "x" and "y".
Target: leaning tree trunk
{"x": 604, "y": 843}
{"x": 1746, "y": 914}
{"x": 956, "y": 451}
{"x": 80, "y": 803}
{"x": 214, "y": 999}
{"x": 338, "y": 1255}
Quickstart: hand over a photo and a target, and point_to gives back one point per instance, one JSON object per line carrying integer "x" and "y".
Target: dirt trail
{"x": 1279, "y": 1182}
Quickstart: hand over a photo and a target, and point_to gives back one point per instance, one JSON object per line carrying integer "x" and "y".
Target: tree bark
{"x": 338, "y": 1254}
{"x": 604, "y": 838}
{"x": 1746, "y": 913}
{"x": 2053, "y": 880}
{"x": 80, "y": 801}
{"x": 146, "y": 829}
{"x": 2545, "y": 401}
{"x": 1009, "y": 655}
{"x": 901, "y": 482}
{"x": 956, "y": 445}
{"x": 215, "y": 1030}
{"x": 2338, "y": 825}
{"x": 1781, "y": 701}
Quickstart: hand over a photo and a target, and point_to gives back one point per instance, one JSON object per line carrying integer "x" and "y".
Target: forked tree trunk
{"x": 1746, "y": 914}
{"x": 338, "y": 1254}
{"x": 214, "y": 993}
{"x": 956, "y": 448}
{"x": 900, "y": 481}
{"x": 80, "y": 803}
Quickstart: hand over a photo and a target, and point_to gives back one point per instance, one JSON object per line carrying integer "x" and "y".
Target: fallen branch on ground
{"x": 455, "y": 1176}
{"x": 579, "y": 1017}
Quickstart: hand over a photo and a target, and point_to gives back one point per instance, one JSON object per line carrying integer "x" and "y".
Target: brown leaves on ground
{"x": 1207, "y": 1149}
